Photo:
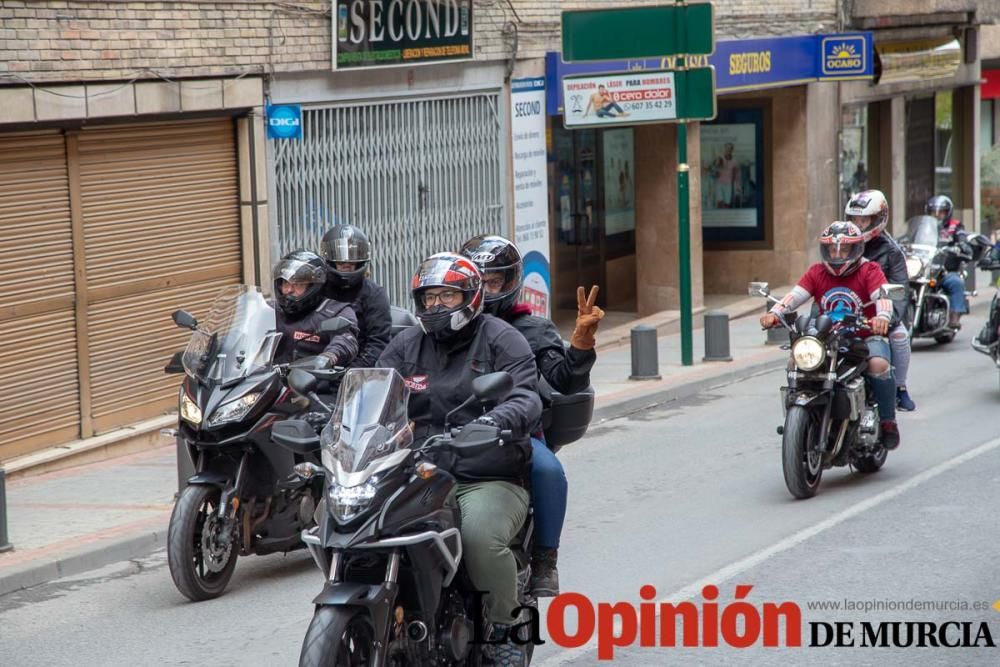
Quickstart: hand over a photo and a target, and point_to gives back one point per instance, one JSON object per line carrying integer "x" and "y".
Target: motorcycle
{"x": 927, "y": 264}
{"x": 246, "y": 496}
{"x": 831, "y": 419}
{"x": 991, "y": 329}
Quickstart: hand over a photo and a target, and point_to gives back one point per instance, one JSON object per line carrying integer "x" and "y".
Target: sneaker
{"x": 890, "y": 434}
{"x": 544, "y": 582}
{"x": 903, "y": 400}
{"x": 507, "y": 654}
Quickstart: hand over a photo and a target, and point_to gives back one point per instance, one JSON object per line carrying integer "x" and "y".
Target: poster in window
{"x": 619, "y": 183}
{"x": 732, "y": 195}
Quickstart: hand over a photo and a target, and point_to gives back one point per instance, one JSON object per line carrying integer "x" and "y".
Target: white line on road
{"x": 736, "y": 568}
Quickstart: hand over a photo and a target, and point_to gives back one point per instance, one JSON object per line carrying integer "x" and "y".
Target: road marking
{"x": 736, "y": 568}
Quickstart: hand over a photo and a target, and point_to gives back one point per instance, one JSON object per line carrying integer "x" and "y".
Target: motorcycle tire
{"x": 338, "y": 636}
{"x": 942, "y": 339}
{"x": 185, "y": 557}
{"x": 870, "y": 464}
{"x": 802, "y": 476}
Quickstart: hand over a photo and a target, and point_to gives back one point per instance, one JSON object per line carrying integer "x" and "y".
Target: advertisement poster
{"x": 729, "y": 192}
{"x": 619, "y": 99}
{"x": 619, "y": 183}
{"x": 531, "y": 191}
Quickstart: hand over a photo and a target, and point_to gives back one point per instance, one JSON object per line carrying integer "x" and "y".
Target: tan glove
{"x": 588, "y": 317}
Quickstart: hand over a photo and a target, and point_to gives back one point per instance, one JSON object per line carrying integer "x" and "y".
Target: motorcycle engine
{"x": 935, "y": 319}
{"x": 868, "y": 427}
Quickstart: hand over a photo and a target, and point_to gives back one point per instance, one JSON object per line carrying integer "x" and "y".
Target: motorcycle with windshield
{"x": 245, "y": 496}
{"x": 831, "y": 418}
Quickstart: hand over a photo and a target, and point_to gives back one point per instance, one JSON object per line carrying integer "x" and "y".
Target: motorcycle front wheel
{"x": 338, "y": 637}
{"x": 201, "y": 563}
{"x": 801, "y": 464}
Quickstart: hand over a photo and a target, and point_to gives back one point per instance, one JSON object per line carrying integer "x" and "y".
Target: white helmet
{"x": 868, "y": 204}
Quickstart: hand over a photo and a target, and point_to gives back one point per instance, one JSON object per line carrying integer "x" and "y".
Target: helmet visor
{"x": 502, "y": 281}
{"x": 839, "y": 253}
{"x": 344, "y": 250}
{"x": 297, "y": 271}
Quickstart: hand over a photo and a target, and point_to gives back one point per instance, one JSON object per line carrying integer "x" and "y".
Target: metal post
{"x": 5, "y": 545}
{"x": 645, "y": 354}
{"x": 683, "y": 222}
{"x": 717, "y": 336}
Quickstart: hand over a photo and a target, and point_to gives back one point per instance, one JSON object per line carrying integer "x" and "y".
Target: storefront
{"x": 989, "y": 150}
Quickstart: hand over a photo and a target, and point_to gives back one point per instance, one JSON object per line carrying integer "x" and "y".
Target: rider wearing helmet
{"x": 951, "y": 233}
{"x": 348, "y": 254}
{"x": 299, "y": 279}
{"x": 454, "y": 344}
{"x": 567, "y": 370}
{"x": 845, "y": 280}
{"x": 869, "y": 210}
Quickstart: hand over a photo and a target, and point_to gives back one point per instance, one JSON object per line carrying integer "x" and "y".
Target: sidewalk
{"x": 71, "y": 521}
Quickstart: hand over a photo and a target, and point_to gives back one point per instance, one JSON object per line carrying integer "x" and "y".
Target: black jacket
{"x": 566, "y": 370}
{"x": 371, "y": 306}
{"x": 891, "y": 258}
{"x": 440, "y": 377}
{"x": 302, "y": 337}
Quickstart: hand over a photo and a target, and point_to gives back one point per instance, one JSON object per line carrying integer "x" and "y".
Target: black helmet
{"x": 938, "y": 204}
{"x": 497, "y": 257}
{"x": 346, "y": 243}
{"x": 304, "y": 268}
{"x": 455, "y": 273}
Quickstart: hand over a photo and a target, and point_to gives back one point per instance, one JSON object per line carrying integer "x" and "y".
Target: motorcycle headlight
{"x": 346, "y": 502}
{"x": 808, "y": 353}
{"x": 914, "y": 266}
{"x": 190, "y": 412}
{"x": 234, "y": 410}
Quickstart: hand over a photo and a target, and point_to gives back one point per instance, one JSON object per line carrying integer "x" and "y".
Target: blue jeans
{"x": 955, "y": 287}
{"x": 884, "y": 387}
{"x": 605, "y": 111}
{"x": 549, "y": 490}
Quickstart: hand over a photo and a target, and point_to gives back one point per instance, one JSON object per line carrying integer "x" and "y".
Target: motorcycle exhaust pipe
{"x": 416, "y": 631}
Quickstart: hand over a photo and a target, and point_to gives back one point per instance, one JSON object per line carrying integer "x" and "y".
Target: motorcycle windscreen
{"x": 370, "y": 419}
{"x": 922, "y": 233}
{"x": 236, "y": 339}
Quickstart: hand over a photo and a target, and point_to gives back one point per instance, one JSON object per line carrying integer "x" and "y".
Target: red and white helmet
{"x": 841, "y": 246}
{"x": 457, "y": 274}
{"x": 869, "y": 210}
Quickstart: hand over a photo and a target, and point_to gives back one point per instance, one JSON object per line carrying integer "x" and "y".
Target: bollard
{"x": 717, "y": 336}
{"x": 645, "y": 359}
{"x": 5, "y": 545}
{"x": 778, "y": 335}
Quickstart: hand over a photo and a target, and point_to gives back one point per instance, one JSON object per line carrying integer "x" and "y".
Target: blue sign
{"x": 745, "y": 64}
{"x": 284, "y": 121}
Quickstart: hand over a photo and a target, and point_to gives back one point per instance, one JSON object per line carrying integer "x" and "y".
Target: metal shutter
{"x": 39, "y": 387}
{"x": 162, "y": 232}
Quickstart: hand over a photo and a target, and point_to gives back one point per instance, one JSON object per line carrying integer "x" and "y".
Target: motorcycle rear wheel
{"x": 196, "y": 578}
{"x": 802, "y": 469}
{"x": 338, "y": 637}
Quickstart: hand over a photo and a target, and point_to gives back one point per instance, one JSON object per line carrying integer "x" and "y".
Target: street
{"x": 675, "y": 497}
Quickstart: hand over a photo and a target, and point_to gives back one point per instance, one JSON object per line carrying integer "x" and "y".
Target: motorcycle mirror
{"x": 184, "y": 319}
{"x": 758, "y": 289}
{"x": 823, "y": 324}
{"x": 335, "y": 325}
{"x": 301, "y": 382}
{"x": 175, "y": 365}
{"x": 891, "y": 291}
{"x": 802, "y": 323}
{"x": 493, "y": 386}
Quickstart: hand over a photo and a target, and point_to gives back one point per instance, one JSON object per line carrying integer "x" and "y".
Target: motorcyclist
{"x": 348, "y": 254}
{"x": 990, "y": 333}
{"x": 869, "y": 210}
{"x": 454, "y": 344}
{"x": 951, "y": 233}
{"x": 299, "y": 279}
{"x": 567, "y": 370}
{"x": 846, "y": 280}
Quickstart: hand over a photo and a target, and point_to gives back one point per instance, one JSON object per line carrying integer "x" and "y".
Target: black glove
{"x": 317, "y": 363}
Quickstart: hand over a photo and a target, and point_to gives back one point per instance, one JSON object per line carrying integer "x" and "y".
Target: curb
{"x": 82, "y": 560}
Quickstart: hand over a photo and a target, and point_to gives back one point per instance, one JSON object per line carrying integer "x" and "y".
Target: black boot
{"x": 507, "y": 653}
{"x": 544, "y": 582}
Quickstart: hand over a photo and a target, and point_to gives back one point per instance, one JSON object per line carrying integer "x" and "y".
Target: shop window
{"x": 618, "y": 157}
{"x": 989, "y": 166}
{"x": 732, "y": 184}
{"x": 943, "y": 155}
{"x": 853, "y": 149}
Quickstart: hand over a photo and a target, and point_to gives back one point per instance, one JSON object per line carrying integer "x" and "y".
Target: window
{"x": 732, "y": 191}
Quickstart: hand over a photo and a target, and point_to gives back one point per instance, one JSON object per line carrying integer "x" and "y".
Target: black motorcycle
{"x": 246, "y": 496}
{"x": 927, "y": 264}
{"x": 831, "y": 419}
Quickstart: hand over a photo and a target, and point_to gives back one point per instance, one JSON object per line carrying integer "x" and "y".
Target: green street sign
{"x": 637, "y": 32}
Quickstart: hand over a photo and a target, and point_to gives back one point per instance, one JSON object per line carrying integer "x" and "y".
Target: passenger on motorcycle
{"x": 951, "y": 232}
{"x": 454, "y": 344}
{"x": 565, "y": 370}
{"x": 869, "y": 210}
{"x": 299, "y": 280}
{"x": 844, "y": 281}
{"x": 348, "y": 254}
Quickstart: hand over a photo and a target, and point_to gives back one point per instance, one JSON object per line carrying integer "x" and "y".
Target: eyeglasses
{"x": 447, "y": 298}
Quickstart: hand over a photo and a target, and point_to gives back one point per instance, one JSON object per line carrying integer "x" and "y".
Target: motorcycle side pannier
{"x": 565, "y": 418}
